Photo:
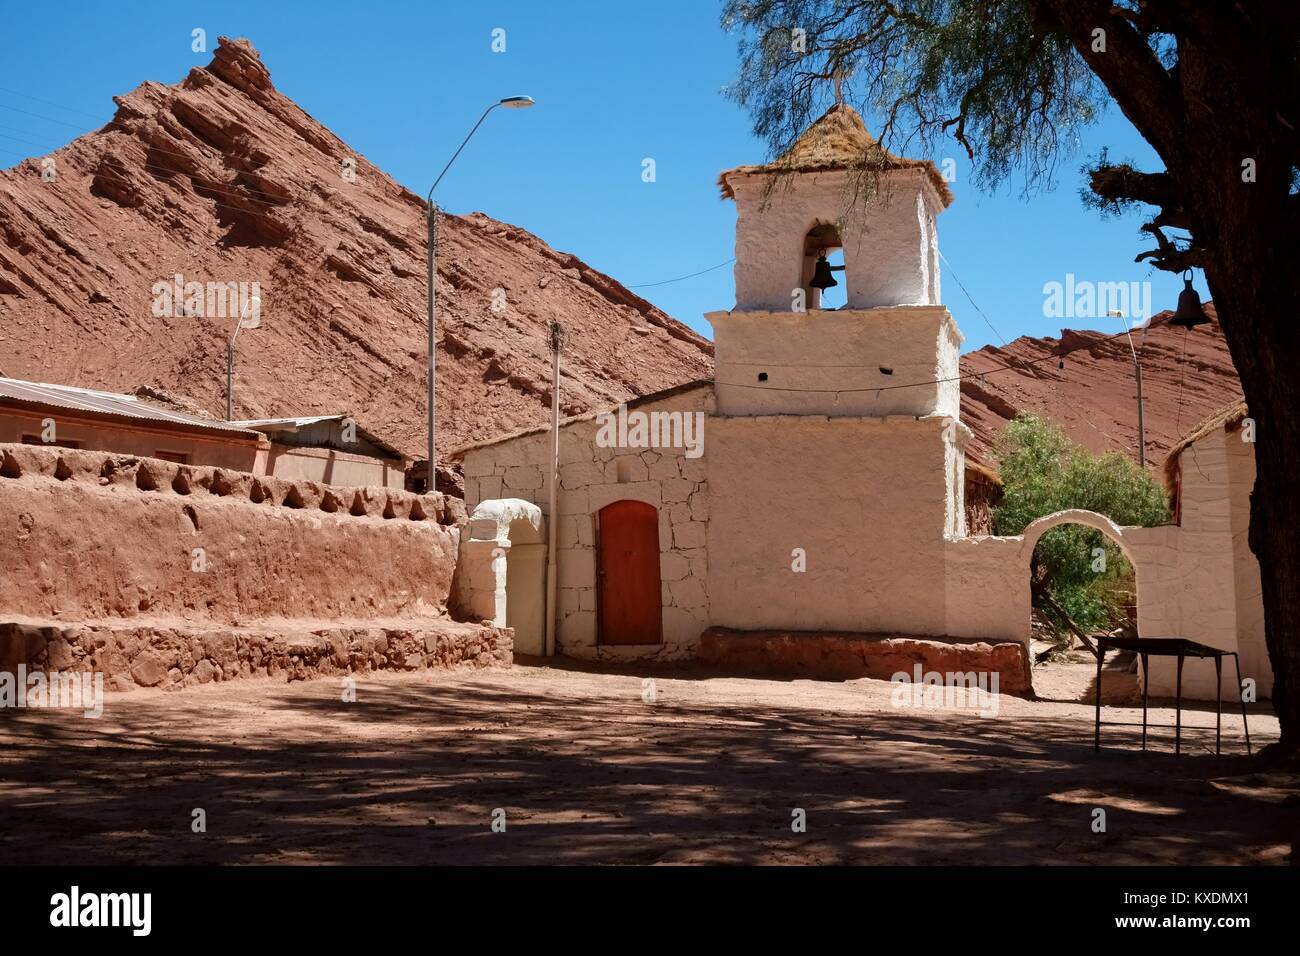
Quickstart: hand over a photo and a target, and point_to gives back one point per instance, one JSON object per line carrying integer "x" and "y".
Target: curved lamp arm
{"x": 432, "y": 245}
{"x": 429, "y": 198}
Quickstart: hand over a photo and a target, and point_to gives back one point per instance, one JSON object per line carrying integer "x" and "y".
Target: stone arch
{"x": 502, "y": 573}
{"x": 822, "y": 237}
{"x": 1092, "y": 519}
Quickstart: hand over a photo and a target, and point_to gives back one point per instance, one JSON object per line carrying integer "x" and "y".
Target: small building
{"x": 330, "y": 449}
{"x": 1219, "y": 601}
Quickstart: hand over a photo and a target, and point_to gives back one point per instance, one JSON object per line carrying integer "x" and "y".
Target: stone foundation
{"x": 843, "y": 656}
{"x": 131, "y": 655}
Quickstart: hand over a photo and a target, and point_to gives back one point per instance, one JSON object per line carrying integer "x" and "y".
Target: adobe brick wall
{"x": 844, "y": 656}
{"x": 100, "y": 558}
{"x": 94, "y": 535}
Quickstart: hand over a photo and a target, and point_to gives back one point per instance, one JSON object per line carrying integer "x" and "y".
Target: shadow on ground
{"x": 587, "y": 772}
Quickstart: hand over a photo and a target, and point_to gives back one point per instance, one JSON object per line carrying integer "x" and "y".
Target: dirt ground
{"x": 586, "y": 771}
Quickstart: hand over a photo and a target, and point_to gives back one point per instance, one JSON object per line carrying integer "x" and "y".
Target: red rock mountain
{"x": 222, "y": 179}
{"x": 1186, "y": 375}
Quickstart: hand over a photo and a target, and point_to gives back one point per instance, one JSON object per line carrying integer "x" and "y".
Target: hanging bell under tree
{"x": 1190, "y": 312}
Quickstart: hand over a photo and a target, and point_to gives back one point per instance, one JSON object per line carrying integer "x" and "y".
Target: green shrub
{"x": 1044, "y": 472}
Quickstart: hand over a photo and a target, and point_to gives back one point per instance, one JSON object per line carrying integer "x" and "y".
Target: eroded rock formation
{"x": 1185, "y": 377}
{"x": 222, "y": 178}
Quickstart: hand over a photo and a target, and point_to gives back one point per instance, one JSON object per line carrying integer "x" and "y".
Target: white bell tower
{"x": 886, "y": 350}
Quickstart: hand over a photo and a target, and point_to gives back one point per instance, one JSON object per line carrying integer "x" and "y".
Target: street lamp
{"x": 253, "y": 304}
{"x": 1137, "y": 368}
{"x": 510, "y": 102}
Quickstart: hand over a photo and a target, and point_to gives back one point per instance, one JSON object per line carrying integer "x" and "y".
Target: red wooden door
{"x": 628, "y": 574}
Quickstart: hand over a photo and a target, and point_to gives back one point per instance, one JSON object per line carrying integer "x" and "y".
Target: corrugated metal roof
{"x": 260, "y": 423}
{"x": 293, "y": 424}
{"x": 110, "y": 404}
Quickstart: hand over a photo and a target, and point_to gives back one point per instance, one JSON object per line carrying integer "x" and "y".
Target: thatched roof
{"x": 982, "y": 473}
{"x": 837, "y": 141}
{"x": 1226, "y": 418}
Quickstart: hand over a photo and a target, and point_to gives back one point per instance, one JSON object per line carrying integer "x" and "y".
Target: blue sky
{"x": 402, "y": 83}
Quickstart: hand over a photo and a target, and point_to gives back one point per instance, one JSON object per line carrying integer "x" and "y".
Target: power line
{"x": 647, "y": 285}
{"x": 57, "y": 106}
{"x": 50, "y": 119}
{"x": 1028, "y": 363}
{"x": 956, "y": 279}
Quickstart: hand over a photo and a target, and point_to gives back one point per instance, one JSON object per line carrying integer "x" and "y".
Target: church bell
{"x": 1189, "y": 313}
{"x": 822, "y": 278}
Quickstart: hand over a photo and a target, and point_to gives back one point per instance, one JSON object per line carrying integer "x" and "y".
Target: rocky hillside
{"x": 1185, "y": 377}
{"x": 222, "y": 179}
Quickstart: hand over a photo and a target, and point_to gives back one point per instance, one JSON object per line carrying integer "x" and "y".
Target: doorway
{"x": 628, "y": 596}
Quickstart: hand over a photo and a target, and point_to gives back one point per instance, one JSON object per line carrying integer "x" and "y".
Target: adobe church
{"x": 832, "y": 472}
{"x": 818, "y": 519}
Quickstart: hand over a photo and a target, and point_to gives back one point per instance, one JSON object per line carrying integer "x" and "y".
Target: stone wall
{"x": 831, "y": 656}
{"x": 171, "y": 657}
{"x": 146, "y": 569}
{"x": 592, "y": 477}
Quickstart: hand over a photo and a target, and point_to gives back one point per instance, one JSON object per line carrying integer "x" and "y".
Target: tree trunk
{"x": 1248, "y": 226}
{"x": 1229, "y": 105}
{"x": 1264, "y": 349}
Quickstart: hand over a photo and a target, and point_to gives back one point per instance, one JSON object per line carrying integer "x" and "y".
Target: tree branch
{"x": 1130, "y": 70}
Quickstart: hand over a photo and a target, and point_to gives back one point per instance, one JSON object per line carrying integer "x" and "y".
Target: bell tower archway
{"x": 823, "y": 259}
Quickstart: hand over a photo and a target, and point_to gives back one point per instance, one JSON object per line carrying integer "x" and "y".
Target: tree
{"x": 1213, "y": 86}
{"x": 1044, "y": 472}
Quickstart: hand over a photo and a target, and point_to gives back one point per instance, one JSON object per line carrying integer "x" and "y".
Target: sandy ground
{"x": 587, "y": 771}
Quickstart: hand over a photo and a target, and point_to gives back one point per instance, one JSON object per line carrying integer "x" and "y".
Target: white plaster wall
{"x": 864, "y": 499}
{"x": 809, "y": 356}
{"x": 1193, "y": 581}
{"x": 890, "y": 240}
{"x": 1193, "y": 594}
{"x": 955, "y": 437}
{"x": 1199, "y": 580}
{"x": 986, "y": 590}
{"x": 589, "y": 479}
{"x": 501, "y": 568}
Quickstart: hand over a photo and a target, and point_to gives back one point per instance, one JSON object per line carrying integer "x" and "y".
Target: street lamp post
{"x": 254, "y": 303}
{"x": 1137, "y": 368}
{"x": 510, "y": 102}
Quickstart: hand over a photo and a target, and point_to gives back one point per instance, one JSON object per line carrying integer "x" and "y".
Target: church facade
{"x": 807, "y": 507}
{"x": 823, "y": 486}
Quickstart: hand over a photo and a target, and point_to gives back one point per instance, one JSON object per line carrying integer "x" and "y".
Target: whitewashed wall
{"x": 890, "y": 241}
{"x": 866, "y": 500}
{"x": 829, "y": 362}
{"x": 1201, "y": 580}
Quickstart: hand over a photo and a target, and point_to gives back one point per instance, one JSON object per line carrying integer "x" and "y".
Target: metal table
{"x": 1172, "y": 647}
